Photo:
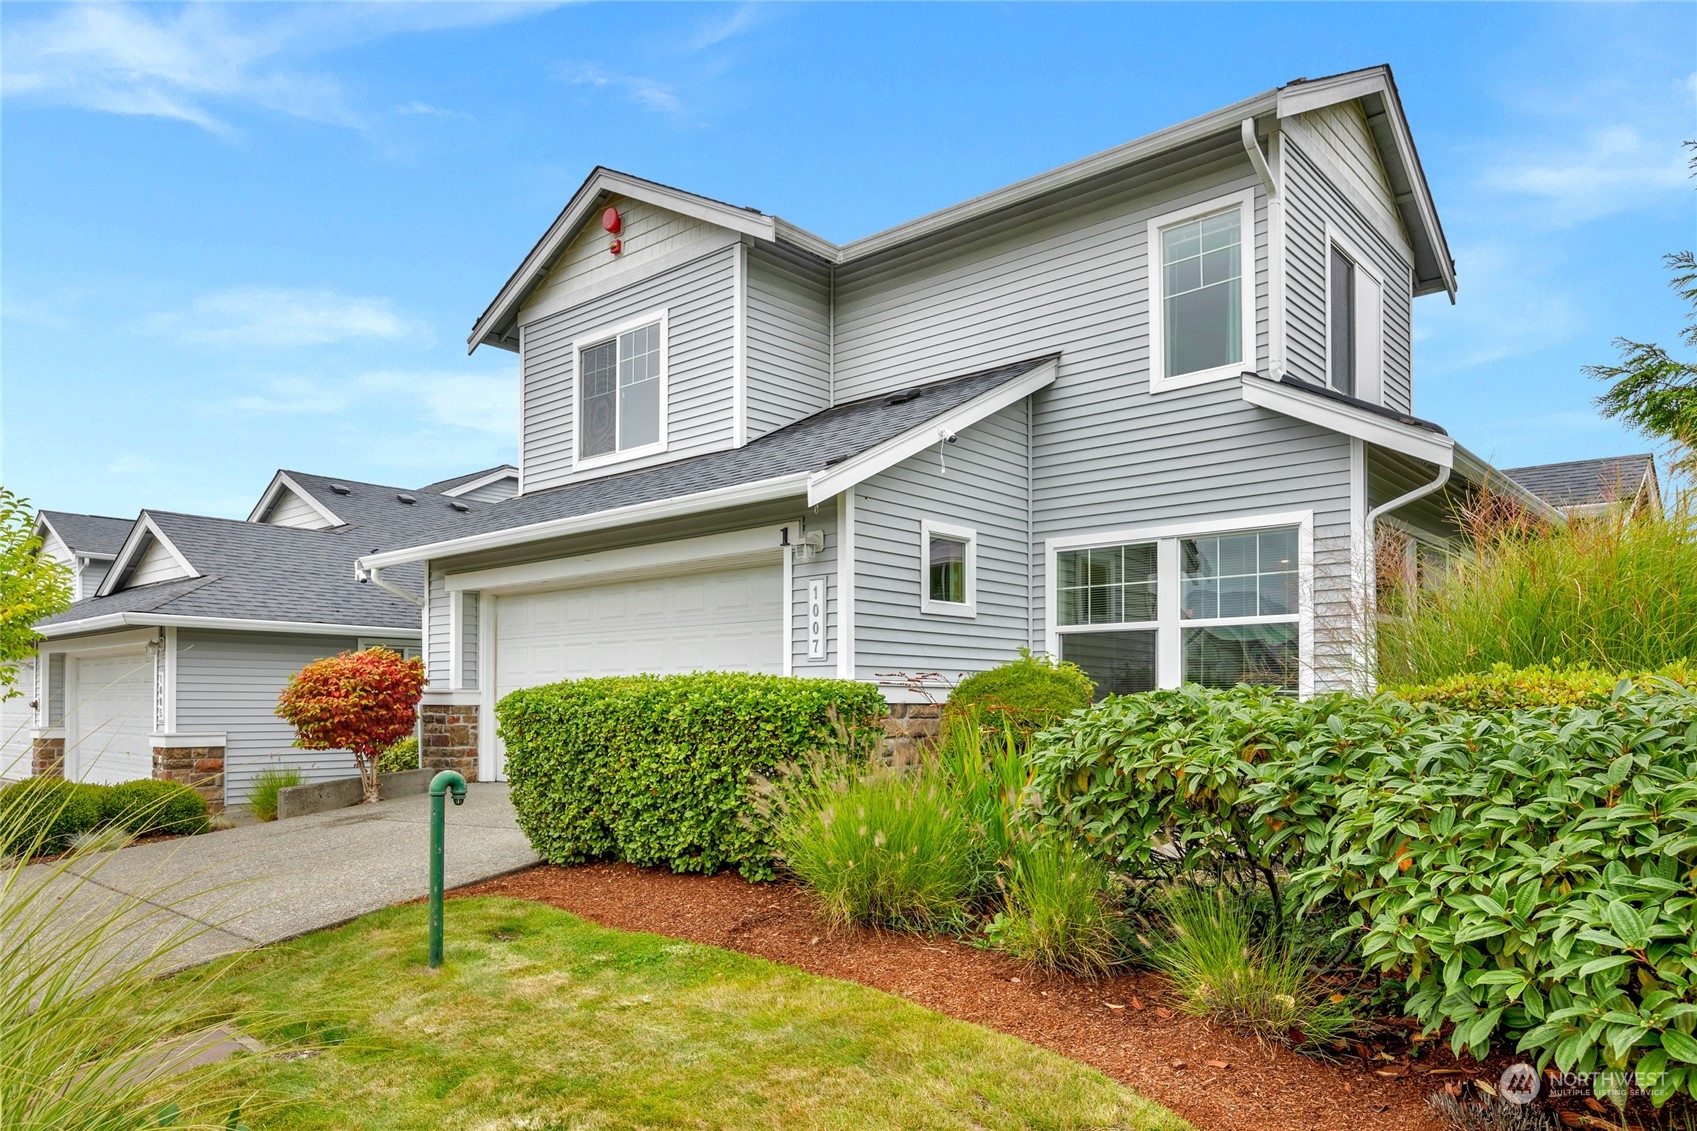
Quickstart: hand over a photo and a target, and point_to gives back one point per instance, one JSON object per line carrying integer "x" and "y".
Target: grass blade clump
{"x": 262, "y": 797}
{"x": 1206, "y": 943}
{"x": 1059, "y": 910}
{"x": 888, "y": 848}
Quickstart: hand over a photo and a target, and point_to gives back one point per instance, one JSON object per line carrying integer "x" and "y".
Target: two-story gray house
{"x": 1145, "y": 412}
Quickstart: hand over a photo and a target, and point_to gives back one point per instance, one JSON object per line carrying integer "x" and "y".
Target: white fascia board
{"x": 603, "y": 180}
{"x": 678, "y": 506}
{"x": 1475, "y": 470}
{"x": 1407, "y": 439}
{"x": 500, "y": 473}
{"x": 1299, "y": 98}
{"x": 1227, "y": 120}
{"x": 282, "y": 482}
{"x": 144, "y": 529}
{"x": 108, "y": 621}
{"x": 833, "y": 481}
{"x": 709, "y": 551}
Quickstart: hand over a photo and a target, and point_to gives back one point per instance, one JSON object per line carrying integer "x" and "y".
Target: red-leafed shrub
{"x": 363, "y": 702}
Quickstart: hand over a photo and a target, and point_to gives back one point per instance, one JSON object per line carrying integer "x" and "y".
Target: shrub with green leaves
{"x": 262, "y": 794}
{"x": 146, "y": 807}
{"x": 1030, "y": 693}
{"x": 399, "y": 758}
{"x": 662, "y": 769}
{"x": 1504, "y": 688}
{"x": 43, "y": 815}
{"x": 889, "y": 848}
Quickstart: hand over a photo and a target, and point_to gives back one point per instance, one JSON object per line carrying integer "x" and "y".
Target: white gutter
{"x": 678, "y": 506}
{"x": 149, "y": 620}
{"x": 1397, "y": 503}
{"x": 375, "y": 576}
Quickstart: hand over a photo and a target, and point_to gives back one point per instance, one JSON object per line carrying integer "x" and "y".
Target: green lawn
{"x": 542, "y": 1021}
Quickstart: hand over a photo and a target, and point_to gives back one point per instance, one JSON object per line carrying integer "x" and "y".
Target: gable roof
{"x": 814, "y": 457}
{"x": 460, "y": 484}
{"x": 88, "y": 535}
{"x": 1375, "y": 87}
{"x": 1592, "y": 483}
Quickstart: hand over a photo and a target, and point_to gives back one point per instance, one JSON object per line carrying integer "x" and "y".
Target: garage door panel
{"x": 109, "y": 722}
{"x": 726, "y": 620}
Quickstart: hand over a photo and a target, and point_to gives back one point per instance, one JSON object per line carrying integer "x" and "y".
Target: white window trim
{"x": 600, "y": 337}
{"x": 1352, "y": 252}
{"x": 1169, "y": 624}
{"x": 1244, "y": 201}
{"x": 929, "y": 607}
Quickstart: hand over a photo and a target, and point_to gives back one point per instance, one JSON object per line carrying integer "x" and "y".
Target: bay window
{"x": 1216, "y": 608}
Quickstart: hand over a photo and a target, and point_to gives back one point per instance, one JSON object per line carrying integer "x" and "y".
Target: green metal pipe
{"x": 439, "y": 785}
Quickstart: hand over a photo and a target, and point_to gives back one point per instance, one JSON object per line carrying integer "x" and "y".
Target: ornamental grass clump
{"x": 1059, "y": 910}
{"x": 262, "y": 795}
{"x": 889, "y": 848}
{"x": 1613, "y": 592}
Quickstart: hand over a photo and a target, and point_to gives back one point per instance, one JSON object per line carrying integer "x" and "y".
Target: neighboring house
{"x": 172, "y": 666}
{"x": 490, "y": 485}
{"x": 1589, "y": 487}
{"x": 85, "y": 544}
{"x": 1145, "y": 412}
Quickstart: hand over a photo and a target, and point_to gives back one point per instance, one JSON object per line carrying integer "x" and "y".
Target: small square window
{"x": 950, "y": 569}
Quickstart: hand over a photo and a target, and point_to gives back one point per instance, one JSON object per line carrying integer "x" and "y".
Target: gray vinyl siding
{"x": 788, "y": 324}
{"x": 699, "y": 297}
{"x": 228, "y": 683}
{"x": 824, "y": 565}
{"x": 468, "y": 640}
{"x": 93, "y": 573}
{"x": 437, "y": 667}
{"x": 490, "y": 492}
{"x": 984, "y": 489}
{"x": 55, "y": 689}
{"x": 1312, "y": 200}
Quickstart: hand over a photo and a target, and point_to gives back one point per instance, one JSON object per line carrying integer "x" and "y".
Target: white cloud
{"x": 1602, "y": 172}
{"x": 650, "y": 94}
{"x": 1512, "y": 308}
{"x": 194, "y": 63}
{"x": 435, "y": 403}
{"x": 284, "y": 317}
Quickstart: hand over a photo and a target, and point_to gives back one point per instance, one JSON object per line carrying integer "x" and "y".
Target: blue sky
{"x": 236, "y": 238}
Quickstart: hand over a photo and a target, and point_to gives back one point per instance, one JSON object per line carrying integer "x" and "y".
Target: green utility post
{"x": 439, "y": 785}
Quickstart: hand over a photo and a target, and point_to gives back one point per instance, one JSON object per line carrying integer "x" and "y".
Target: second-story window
{"x": 1354, "y": 322}
{"x": 620, "y": 392}
{"x": 1201, "y": 294}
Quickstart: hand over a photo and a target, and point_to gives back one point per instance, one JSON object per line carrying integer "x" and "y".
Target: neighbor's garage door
{"x": 726, "y": 620}
{"x": 108, "y": 717}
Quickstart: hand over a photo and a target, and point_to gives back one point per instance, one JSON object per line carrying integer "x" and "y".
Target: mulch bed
{"x": 1126, "y": 1026}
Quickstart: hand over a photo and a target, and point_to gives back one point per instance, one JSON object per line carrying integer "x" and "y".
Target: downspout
{"x": 375, "y": 576}
{"x": 1276, "y": 366}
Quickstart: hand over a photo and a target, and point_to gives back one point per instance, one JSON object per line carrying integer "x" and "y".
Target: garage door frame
{"x": 673, "y": 558}
{"x": 132, "y": 645}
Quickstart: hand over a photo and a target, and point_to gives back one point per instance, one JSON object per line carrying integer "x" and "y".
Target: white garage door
{"x": 108, "y": 717}
{"x": 16, "y": 719}
{"x": 726, "y": 620}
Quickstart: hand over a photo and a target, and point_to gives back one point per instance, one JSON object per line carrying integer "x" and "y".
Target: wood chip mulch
{"x": 1126, "y": 1026}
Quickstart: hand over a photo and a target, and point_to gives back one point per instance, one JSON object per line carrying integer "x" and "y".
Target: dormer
{"x": 654, "y": 324}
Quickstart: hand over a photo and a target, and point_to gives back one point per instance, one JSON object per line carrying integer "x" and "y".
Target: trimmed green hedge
{"x": 1504, "y": 688}
{"x": 1031, "y": 693}
{"x": 1530, "y": 876}
{"x": 661, "y": 769}
{"x": 46, "y": 814}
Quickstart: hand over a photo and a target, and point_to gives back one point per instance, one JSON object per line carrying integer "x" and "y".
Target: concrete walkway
{"x": 245, "y": 887}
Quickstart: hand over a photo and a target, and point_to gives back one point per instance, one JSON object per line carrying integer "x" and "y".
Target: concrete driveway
{"x": 258, "y": 884}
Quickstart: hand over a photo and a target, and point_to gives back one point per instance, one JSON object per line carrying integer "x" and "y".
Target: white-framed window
{"x": 1355, "y": 316}
{"x": 948, "y": 575}
{"x": 620, "y": 391}
{"x": 1202, "y": 292}
{"x": 1211, "y": 603}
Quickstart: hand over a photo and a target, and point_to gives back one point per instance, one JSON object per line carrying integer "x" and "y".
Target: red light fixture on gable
{"x": 611, "y": 221}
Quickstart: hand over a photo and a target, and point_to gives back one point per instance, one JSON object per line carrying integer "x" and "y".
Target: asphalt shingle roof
{"x": 810, "y": 444}
{"x": 443, "y": 486}
{"x": 89, "y": 533}
{"x": 1585, "y": 482}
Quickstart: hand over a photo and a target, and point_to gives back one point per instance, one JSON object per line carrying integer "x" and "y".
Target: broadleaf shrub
{"x": 1505, "y": 688}
{"x": 1030, "y": 693}
{"x": 661, "y": 769}
{"x": 147, "y": 806}
{"x": 44, "y": 815}
{"x": 1529, "y": 875}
